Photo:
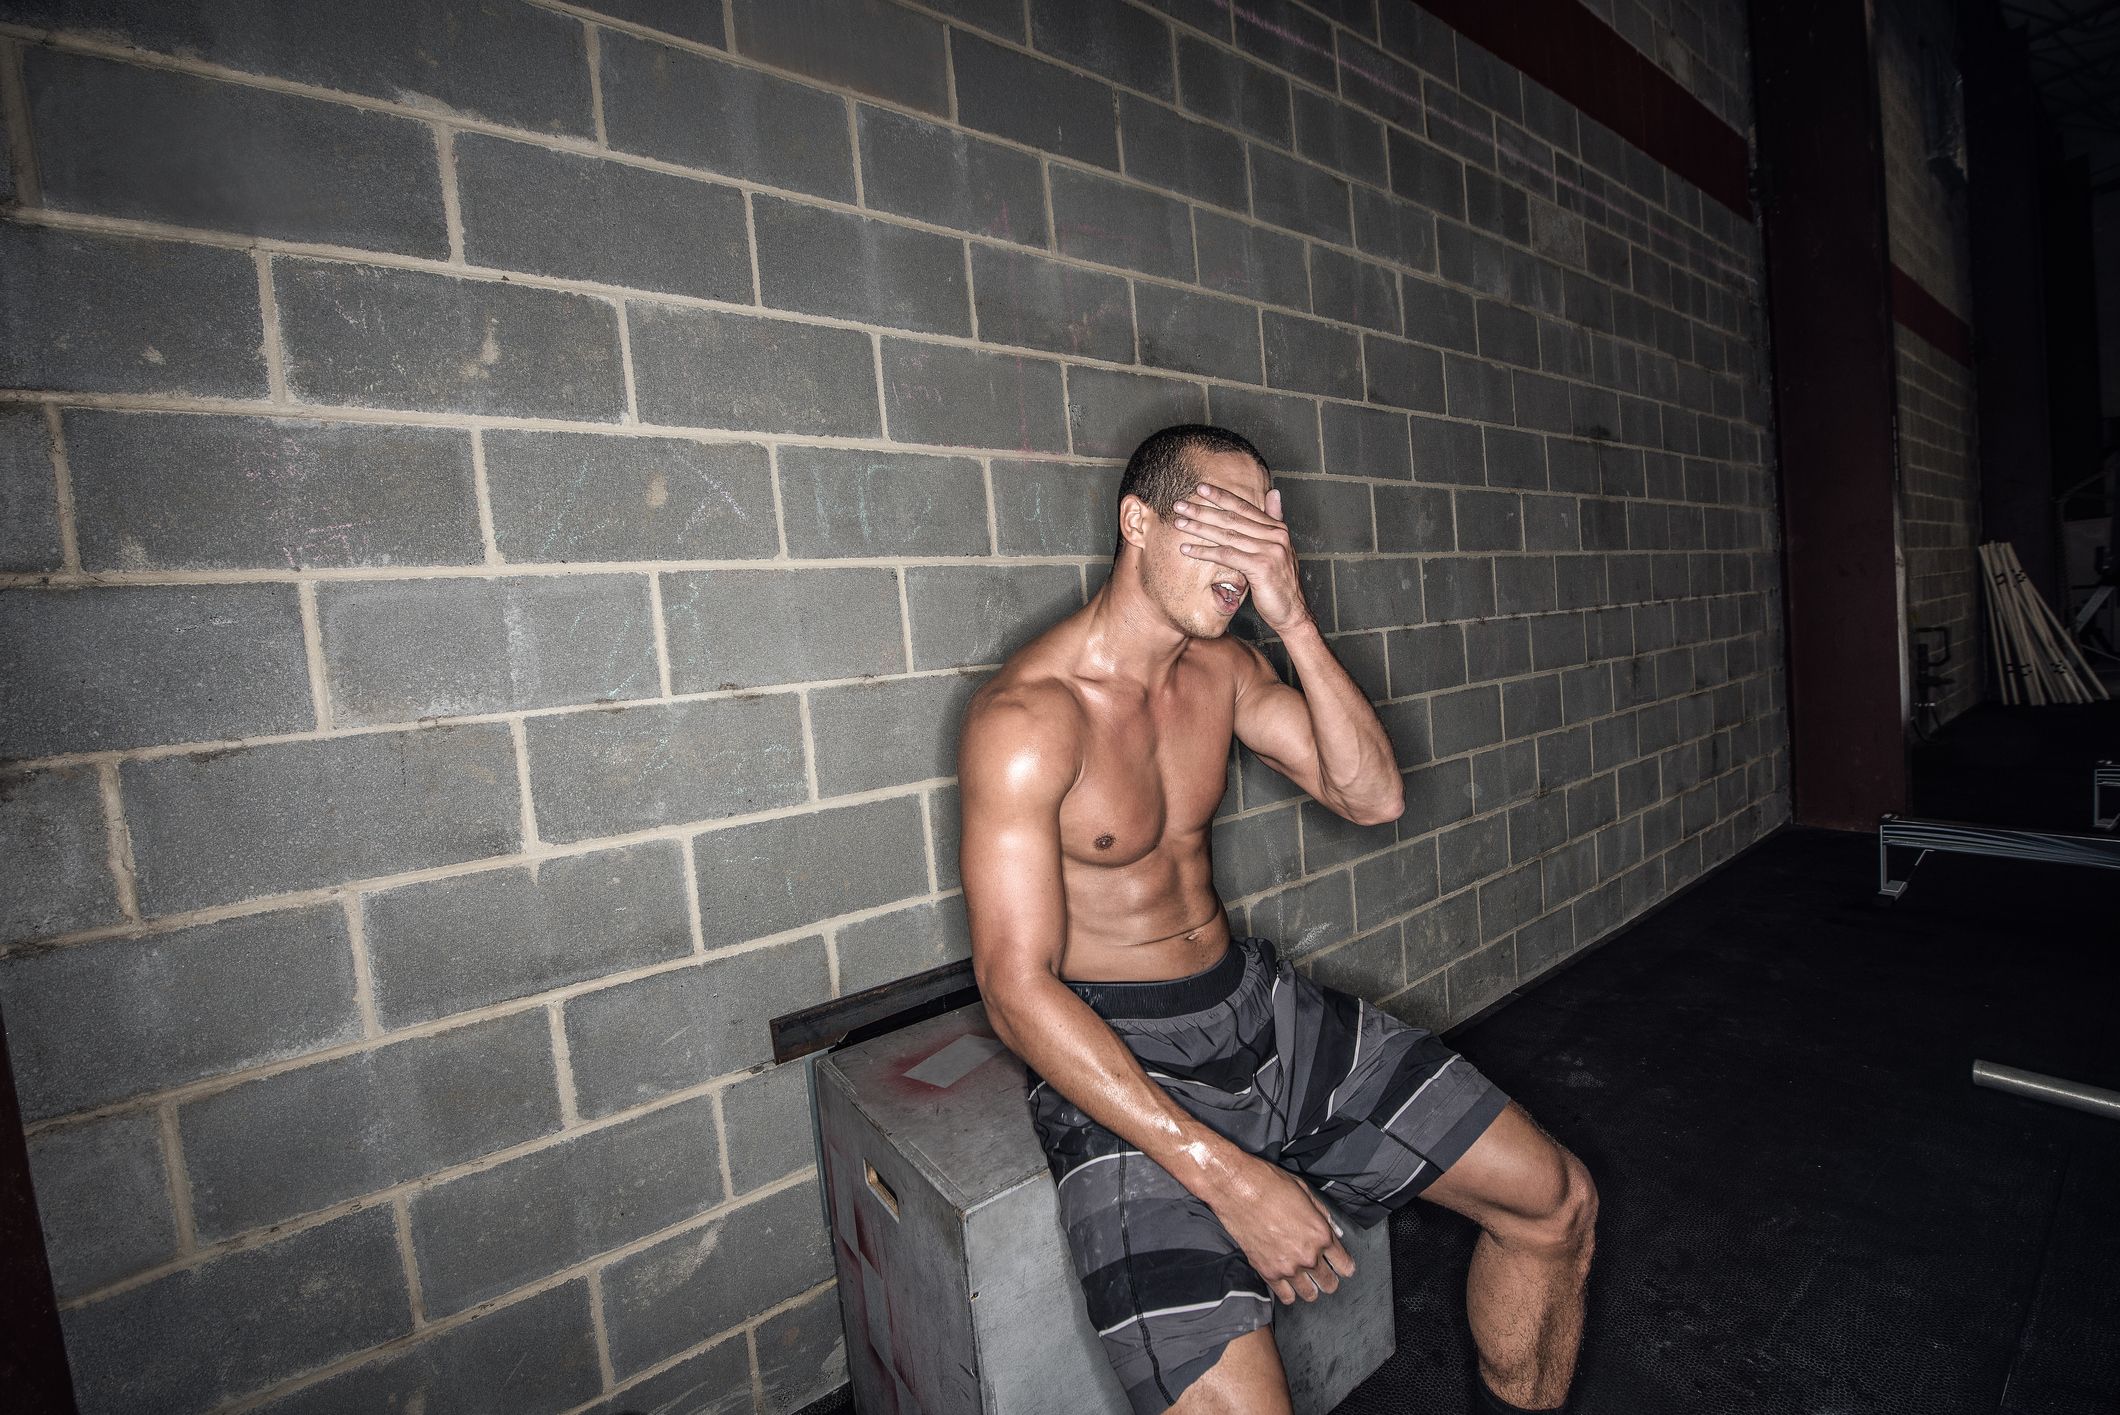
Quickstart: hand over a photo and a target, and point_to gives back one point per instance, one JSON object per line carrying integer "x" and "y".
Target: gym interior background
{"x": 502, "y": 503}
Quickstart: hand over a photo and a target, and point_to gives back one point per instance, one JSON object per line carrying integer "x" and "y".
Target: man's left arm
{"x": 1325, "y": 738}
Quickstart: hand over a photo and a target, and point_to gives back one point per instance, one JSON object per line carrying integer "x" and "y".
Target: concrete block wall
{"x": 1701, "y": 43}
{"x": 1939, "y": 475}
{"x": 1918, "y": 101}
{"x": 1925, "y": 215}
{"x": 507, "y": 502}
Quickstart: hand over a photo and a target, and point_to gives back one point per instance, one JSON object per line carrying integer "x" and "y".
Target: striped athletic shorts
{"x": 1367, "y": 1108}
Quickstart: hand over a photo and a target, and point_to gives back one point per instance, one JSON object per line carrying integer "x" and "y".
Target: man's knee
{"x": 1574, "y": 1220}
{"x": 1561, "y": 1214}
{"x": 1523, "y": 1187}
{"x": 1567, "y": 1219}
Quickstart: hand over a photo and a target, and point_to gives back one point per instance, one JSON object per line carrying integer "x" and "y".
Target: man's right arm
{"x": 1016, "y": 760}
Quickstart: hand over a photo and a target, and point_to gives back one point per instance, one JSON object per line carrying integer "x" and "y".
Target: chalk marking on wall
{"x": 721, "y": 1132}
{"x": 271, "y": 345}
{"x": 596, "y": 1325}
{"x": 631, "y": 416}
{"x": 905, "y": 611}
{"x": 780, "y": 520}
{"x": 592, "y": 41}
{"x": 363, "y": 969}
{"x": 313, "y": 652}
{"x": 883, "y": 403}
{"x": 809, "y": 746}
{"x": 993, "y": 534}
{"x": 63, "y": 489}
{"x": 927, "y": 837}
{"x": 521, "y": 738}
{"x": 117, "y": 837}
{"x": 750, "y": 231}
{"x": 401, "y": 1214}
{"x": 179, "y": 1179}
{"x": 563, "y": 1066}
{"x": 662, "y": 639}
{"x": 482, "y": 498}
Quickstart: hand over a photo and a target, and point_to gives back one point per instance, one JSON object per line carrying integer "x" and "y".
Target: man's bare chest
{"x": 1150, "y": 776}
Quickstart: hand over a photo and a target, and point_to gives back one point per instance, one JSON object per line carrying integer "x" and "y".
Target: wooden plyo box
{"x": 955, "y": 1284}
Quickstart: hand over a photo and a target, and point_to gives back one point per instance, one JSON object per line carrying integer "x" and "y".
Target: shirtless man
{"x": 1090, "y": 767}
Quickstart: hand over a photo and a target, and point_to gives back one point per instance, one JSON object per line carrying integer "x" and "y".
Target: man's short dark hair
{"x": 1161, "y": 469}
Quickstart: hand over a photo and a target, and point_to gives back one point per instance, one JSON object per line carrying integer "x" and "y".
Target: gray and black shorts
{"x": 1367, "y": 1108}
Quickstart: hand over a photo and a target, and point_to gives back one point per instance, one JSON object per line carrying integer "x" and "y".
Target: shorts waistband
{"x": 1172, "y": 997}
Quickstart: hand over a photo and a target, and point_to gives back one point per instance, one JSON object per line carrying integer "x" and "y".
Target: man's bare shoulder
{"x": 1023, "y": 731}
{"x": 1237, "y": 652}
{"x": 1237, "y": 662}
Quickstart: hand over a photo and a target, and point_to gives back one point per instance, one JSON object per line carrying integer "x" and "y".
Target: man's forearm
{"x": 1062, "y": 1038}
{"x": 1356, "y": 763}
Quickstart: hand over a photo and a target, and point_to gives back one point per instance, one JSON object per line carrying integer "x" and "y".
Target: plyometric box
{"x": 954, "y": 1278}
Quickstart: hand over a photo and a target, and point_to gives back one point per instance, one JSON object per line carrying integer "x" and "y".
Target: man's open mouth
{"x": 1229, "y": 594}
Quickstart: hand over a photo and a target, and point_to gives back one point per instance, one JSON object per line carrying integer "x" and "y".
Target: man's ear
{"x": 1134, "y": 516}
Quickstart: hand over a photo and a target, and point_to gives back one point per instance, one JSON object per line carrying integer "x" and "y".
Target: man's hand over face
{"x": 1232, "y": 530}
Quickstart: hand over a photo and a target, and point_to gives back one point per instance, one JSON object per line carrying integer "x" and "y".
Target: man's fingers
{"x": 1207, "y": 492}
{"x": 1222, "y": 555}
{"x": 1228, "y": 501}
{"x": 1335, "y": 1252}
{"x": 1201, "y": 513}
{"x": 1220, "y": 535}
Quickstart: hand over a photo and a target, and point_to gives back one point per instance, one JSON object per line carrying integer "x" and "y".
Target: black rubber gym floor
{"x": 1806, "y": 1206}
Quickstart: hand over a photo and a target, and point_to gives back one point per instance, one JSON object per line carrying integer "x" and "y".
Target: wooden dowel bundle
{"x": 2035, "y": 657}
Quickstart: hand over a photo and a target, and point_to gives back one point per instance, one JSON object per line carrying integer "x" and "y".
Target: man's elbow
{"x": 1381, "y": 811}
{"x": 1009, "y": 992}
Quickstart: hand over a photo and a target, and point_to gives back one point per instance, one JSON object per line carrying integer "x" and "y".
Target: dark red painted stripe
{"x": 1924, "y": 314}
{"x": 1584, "y": 60}
{"x": 1571, "y": 51}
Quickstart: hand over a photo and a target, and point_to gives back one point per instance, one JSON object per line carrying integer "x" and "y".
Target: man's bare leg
{"x": 1246, "y": 1379}
{"x": 1536, "y": 1206}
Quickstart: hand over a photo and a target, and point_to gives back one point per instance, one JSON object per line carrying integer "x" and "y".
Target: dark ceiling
{"x": 2075, "y": 54}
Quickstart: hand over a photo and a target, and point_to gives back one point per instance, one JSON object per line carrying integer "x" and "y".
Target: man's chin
{"x": 1213, "y": 628}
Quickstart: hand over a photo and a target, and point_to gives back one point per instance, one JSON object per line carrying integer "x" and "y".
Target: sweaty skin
{"x": 1090, "y": 767}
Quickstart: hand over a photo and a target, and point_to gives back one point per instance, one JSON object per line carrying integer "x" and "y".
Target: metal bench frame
{"x": 1964, "y": 838}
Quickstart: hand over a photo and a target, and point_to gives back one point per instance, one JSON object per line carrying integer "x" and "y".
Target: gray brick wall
{"x": 491, "y": 561}
{"x": 1704, "y": 44}
{"x": 1939, "y": 471}
{"x": 1939, "y": 497}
